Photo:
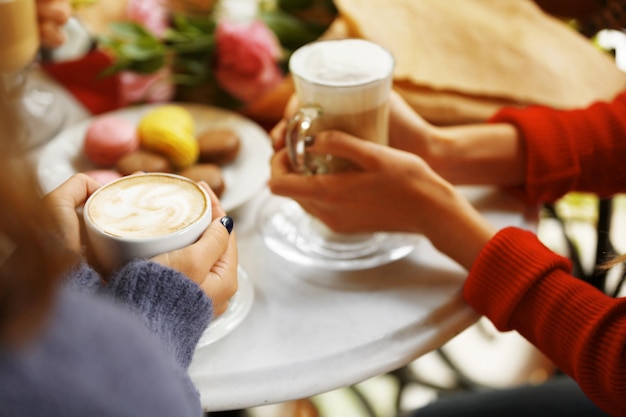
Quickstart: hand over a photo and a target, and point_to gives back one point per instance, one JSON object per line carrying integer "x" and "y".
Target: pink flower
{"x": 151, "y": 14}
{"x": 139, "y": 88}
{"x": 246, "y": 62}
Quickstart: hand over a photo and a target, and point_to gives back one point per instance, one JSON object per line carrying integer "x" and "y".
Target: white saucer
{"x": 284, "y": 226}
{"x": 238, "y": 308}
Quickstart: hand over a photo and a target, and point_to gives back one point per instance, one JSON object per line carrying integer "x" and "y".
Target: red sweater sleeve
{"x": 574, "y": 150}
{"x": 519, "y": 284}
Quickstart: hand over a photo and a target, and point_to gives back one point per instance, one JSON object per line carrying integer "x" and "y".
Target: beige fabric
{"x": 460, "y": 60}
{"x": 450, "y": 107}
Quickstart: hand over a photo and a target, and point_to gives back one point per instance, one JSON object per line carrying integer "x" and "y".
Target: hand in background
{"x": 52, "y": 15}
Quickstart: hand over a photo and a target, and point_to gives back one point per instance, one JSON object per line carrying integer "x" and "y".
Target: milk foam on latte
{"x": 344, "y": 63}
{"x": 142, "y": 206}
{"x": 353, "y": 66}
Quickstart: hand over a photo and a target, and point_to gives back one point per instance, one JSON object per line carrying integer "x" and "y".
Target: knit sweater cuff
{"x": 547, "y": 177}
{"x": 573, "y": 150}
{"x": 172, "y": 305}
{"x": 83, "y": 278}
{"x": 507, "y": 267}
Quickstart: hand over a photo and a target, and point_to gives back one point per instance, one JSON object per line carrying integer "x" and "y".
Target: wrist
{"x": 478, "y": 154}
{"x": 465, "y": 232}
{"x": 446, "y": 217}
{"x": 439, "y": 151}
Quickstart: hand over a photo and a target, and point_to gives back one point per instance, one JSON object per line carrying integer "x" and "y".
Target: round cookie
{"x": 108, "y": 138}
{"x": 209, "y": 173}
{"x": 218, "y": 146}
{"x": 142, "y": 160}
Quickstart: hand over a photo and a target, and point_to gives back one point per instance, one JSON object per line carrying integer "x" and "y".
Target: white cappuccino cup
{"x": 144, "y": 215}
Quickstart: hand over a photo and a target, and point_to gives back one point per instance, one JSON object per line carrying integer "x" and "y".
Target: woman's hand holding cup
{"x": 210, "y": 261}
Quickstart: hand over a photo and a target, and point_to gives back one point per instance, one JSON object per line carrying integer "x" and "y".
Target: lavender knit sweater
{"x": 120, "y": 349}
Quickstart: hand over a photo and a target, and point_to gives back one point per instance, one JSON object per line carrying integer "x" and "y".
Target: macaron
{"x": 103, "y": 176}
{"x": 108, "y": 138}
{"x": 209, "y": 173}
{"x": 143, "y": 160}
{"x": 218, "y": 146}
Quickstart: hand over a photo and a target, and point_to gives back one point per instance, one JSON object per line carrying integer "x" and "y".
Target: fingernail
{"x": 228, "y": 223}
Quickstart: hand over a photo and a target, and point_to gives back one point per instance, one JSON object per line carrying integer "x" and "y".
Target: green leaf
{"x": 291, "y": 32}
{"x": 294, "y": 5}
{"x": 120, "y": 64}
{"x": 148, "y": 66}
{"x": 193, "y": 24}
{"x": 204, "y": 44}
{"x": 137, "y": 52}
{"x": 131, "y": 30}
{"x": 198, "y": 69}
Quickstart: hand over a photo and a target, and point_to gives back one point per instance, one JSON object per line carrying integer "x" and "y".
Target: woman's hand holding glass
{"x": 211, "y": 262}
{"x": 389, "y": 190}
{"x": 382, "y": 177}
{"x": 407, "y": 130}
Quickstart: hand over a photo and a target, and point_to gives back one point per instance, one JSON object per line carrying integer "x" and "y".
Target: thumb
{"x": 215, "y": 239}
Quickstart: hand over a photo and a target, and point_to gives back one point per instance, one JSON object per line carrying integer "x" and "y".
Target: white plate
{"x": 245, "y": 176}
{"x": 238, "y": 308}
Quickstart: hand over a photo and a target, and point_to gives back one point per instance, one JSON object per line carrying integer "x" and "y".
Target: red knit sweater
{"x": 520, "y": 284}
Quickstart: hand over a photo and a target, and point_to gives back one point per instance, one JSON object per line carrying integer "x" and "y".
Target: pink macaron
{"x": 103, "y": 176}
{"x": 108, "y": 138}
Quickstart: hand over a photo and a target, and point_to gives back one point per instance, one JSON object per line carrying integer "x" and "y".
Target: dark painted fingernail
{"x": 228, "y": 223}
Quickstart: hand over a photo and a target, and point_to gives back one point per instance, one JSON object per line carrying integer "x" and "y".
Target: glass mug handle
{"x": 298, "y": 138}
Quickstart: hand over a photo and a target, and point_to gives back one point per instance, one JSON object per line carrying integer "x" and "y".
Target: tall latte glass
{"x": 340, "y": 85}
{"x": 19, "y": 43}
{"x": 144, "y": 215}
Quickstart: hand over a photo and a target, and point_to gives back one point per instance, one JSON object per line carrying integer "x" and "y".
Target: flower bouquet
{"x": 228, "y": 53}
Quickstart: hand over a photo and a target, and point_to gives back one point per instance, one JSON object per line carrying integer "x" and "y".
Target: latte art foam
{"x": 344, "y": 63}
{"x": 342, "y": 75}
{"x": 146, "y": 206}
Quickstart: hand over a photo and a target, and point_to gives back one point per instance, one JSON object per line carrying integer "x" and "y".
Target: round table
{"x": 312, "y": 330}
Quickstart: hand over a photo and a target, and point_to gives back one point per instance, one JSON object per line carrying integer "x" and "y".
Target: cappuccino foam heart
{"x": 142, "y": 206}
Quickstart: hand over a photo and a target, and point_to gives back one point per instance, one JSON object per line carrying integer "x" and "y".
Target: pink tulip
{"x": 151, "y": 14}
{"x": 246, "y": 61}
{"x": 139, "y": 88}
